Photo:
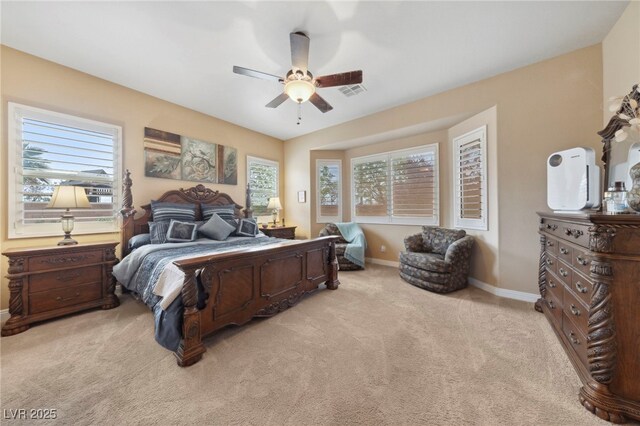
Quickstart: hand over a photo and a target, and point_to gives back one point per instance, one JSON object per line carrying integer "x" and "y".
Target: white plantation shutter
{"x": 329, "y": 191}
{"x": 263, "y": 178}
{"x": 397, "y": 187}
{"x": 48, "y": 149}
{"x": 470, "y": 176}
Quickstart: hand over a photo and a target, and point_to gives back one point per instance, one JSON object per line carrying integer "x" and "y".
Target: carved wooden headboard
{"x": 197, "y": 195}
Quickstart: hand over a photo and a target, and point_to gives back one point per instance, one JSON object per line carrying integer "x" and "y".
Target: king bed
{"x": 198, "y": 287}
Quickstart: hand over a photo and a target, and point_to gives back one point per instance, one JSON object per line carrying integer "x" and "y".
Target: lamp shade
{"x": 69, "y": 197}
{"x": 274, "y": 203}
{"x": 299, "y": 90}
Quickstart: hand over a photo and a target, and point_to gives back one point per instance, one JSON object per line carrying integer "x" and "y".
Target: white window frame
{"x": 267, "y": 162}
{"x": 319, "y": 164}
{"x": 458, "y": 221}
{"x": 16, "y": 112}
{"x": 389, "y": 218}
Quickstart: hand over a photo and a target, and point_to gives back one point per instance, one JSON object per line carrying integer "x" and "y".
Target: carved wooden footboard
{"x": 247, "y": 283}
{"x": 240, "y": 284}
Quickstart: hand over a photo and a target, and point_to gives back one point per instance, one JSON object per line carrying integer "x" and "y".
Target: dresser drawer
{"x": 551, "y": 263}
{"x": 554, "y": 307}
{"x": 575, "y": 310}
{"x": 555, "y": 286}
{"x": 576, "y": 233}
{"x": 50, "y": 300}
{"x": 581, "y": 261}
{"x": 64, "y": 260}
{"x": 576, "y": 339}
{"x": 564, "y": 273}
{"x": 551, "y": 246}
{"x": 582, "y": 287}
{"x": 64, "y": 278}
{"x": 565, "y": 252}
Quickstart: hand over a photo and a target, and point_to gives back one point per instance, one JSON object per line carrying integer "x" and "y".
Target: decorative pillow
{"x": 247, "y": 228}
{"x": 225, "y": 211}
{"x": 216, "y": 228}
{"x": 158, "y": 232}
{"x": 438, "y": 240}
{"x": 164, "y": 212}
{"x": 181, "y": 232}
{"x": 139, "y": 241}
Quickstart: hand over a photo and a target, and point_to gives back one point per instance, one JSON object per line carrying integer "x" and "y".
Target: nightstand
{"x": 50, "y": 282}
{"x": 286, "y": 232}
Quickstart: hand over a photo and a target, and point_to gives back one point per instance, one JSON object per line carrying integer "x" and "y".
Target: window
{"x": 50, "y": 149}
{"x": 470, "y": 180}
{"x": 329, "y": 191}
{"x": 396, "y": 187}
{"x": 263, "y": 178}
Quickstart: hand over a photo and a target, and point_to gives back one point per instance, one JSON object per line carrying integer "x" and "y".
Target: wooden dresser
{"x": 286, "y": 232}
{"x": 50, "y": 282}
{"x": 589, "y": 281}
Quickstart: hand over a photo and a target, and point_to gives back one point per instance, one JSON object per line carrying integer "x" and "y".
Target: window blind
{"x": 329, "y": 191}
{"x": 50, "y": 149}
{"x": 263, "y": 178}
{"x": 470, "y": 180}
{"x": 397, "y": 187}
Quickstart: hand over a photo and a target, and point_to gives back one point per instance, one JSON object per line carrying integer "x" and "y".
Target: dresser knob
{"x": 552, "y": 227}
{"x": 563, "y": 272}
{"x": 564, "y": 250}
{"x": 581, "y": 288}
{"x": 581, "y": 260}
{"x": 549, "y": 262}
{"x": 550, "y": 243}
{"x": 552, "y": 284}
{"x": 551, "y": 305}
{"x": 573, "y": 338}
{"x": 575, "y": 311}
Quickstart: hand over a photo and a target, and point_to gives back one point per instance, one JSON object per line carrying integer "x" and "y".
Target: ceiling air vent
{"x": 352, "y": 90}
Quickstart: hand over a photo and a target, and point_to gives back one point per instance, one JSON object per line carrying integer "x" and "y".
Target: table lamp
{"x": 68, "y": 197}
{"x": 274, "y": 204}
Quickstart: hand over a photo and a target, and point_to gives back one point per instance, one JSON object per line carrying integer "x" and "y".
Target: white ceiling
{"x": 183, "y": 52}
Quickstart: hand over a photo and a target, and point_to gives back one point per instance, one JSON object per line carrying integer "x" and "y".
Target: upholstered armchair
{"x": 437, "y": 259}
{"x": 341, "y": 246}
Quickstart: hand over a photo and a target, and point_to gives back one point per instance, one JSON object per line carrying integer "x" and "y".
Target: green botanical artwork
{"x": 172, "y": 156}
{"x": 198, "y": 160}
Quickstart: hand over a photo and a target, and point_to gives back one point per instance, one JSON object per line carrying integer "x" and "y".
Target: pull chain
{"x": 299, "y": 113}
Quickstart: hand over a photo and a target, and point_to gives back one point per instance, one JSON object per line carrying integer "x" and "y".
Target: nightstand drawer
{"x": 64, "y": 260}
{"x": 59, "y": 298}
{"x": 64, "y": 278}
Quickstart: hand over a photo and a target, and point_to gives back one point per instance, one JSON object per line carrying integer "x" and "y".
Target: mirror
{"x": 615, "y": 151}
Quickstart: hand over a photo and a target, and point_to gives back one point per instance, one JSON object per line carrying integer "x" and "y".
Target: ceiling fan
{"x": 299, "y": 84}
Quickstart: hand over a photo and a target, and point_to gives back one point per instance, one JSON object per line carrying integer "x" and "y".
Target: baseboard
{"x": 503, "y": 292}
{"x": 383, "y": 262}
{"x": 500, "y": 292}
{"x": 4, "y": 315}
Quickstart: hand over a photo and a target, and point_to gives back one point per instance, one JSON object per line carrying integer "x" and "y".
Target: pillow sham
{"x": 139, "y": 241}
{"x": 163, "y": 211}
{"x": 225, "y": 211}
{"x": 216, "y": 228}
{"x": 247, "y": 227}
{"x": 181, "y": 232}
{"x": 158, "y": 232}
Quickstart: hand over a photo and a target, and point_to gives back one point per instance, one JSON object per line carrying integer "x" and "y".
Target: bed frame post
{"x": 333, "y": 282}
{"x": 191, "y": 348}
{"x": 248, "y": 212}
{"x": 127, "y": 211}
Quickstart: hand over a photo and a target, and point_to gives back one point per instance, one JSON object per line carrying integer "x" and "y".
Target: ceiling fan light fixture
{"x": 299, "y": 90}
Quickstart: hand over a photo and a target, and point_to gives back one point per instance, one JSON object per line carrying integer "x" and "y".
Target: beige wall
{"x": 33, "y": 81}
{"x": 542, "y": 108}
{"x": 621, "y": 68}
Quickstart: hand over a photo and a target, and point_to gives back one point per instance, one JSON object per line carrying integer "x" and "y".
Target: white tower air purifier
{"x": 573, "y": 180}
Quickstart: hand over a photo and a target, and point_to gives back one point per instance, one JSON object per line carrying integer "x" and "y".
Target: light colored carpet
{"x": 376, "y": 351}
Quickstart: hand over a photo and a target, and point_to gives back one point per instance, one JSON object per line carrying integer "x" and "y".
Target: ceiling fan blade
{"x": 342, "y": 79}
{"x": 256, "y": 74}
{"x": 278, "y": 100}
{"x": 299, "y": 51}
{"x": 320, "y": 103}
